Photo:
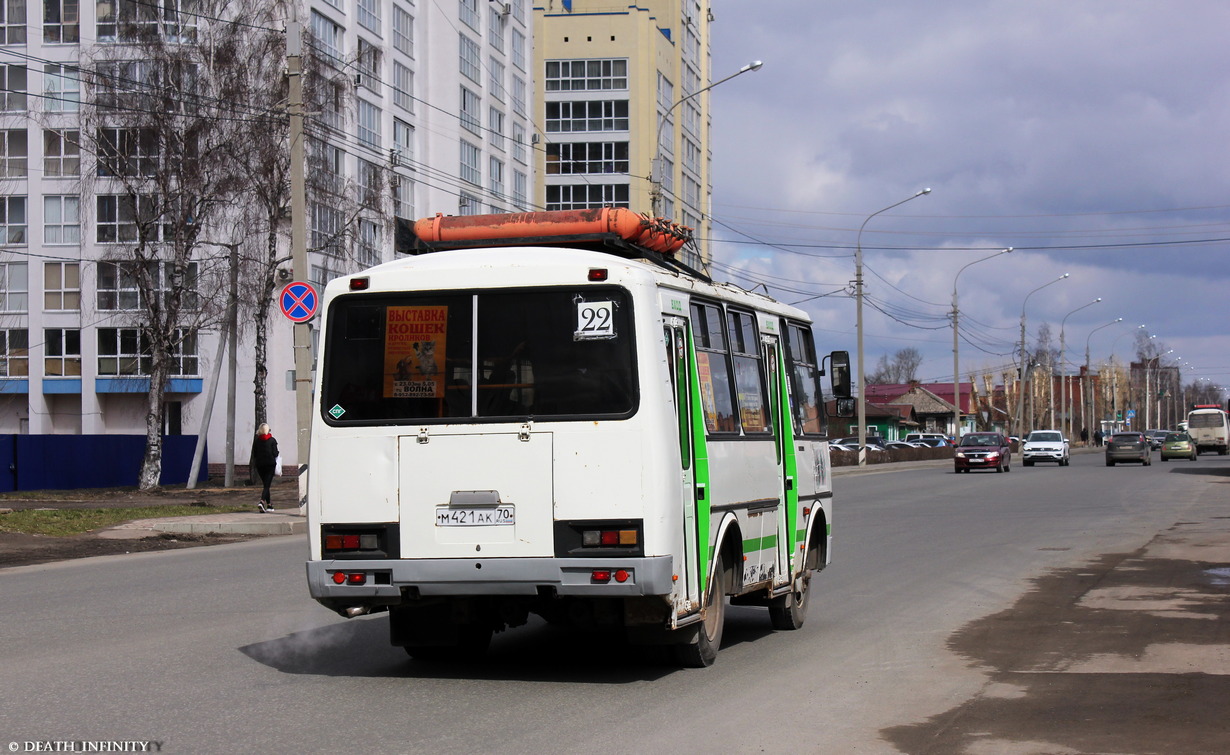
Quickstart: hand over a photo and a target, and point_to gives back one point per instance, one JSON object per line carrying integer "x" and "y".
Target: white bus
{"x": 592, "y": 438}
{"x": 1209, "y": 429}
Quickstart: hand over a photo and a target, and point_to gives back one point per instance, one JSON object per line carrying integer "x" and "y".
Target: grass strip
{"x": 69, "y": 522}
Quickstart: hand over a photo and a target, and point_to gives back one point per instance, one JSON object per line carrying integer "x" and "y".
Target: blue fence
{"x": 65, "y": 462}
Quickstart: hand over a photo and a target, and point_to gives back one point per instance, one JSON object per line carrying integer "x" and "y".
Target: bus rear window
{"x": 463, "y": 356}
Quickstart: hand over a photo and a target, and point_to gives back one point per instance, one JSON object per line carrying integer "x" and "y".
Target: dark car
{"x": 983, "y": 451}
{"x": 1156, "y": 438}
{"x": 1133, "y": 447}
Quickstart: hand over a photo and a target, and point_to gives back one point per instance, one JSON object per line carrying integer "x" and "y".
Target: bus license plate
{"x": 474, "y": 517}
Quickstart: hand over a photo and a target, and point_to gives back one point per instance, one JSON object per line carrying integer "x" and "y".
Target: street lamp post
{"x": 655, "y": 169}
{"x": 1020, "y": 399}
{"x": 1063, "y": 377}
{"x": 858, "y": 301}
{"x": 1087, "y": 395}
{"x": 956, "y": 365}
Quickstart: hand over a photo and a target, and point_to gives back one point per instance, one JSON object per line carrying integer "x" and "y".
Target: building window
{"x": 574, "y": 158}
{"x": 369, "y": 124}
{"x": 586, "y": 196}
{"x": 127, "y": 152}
{"x": 403, "y": 87}
{"x": 495, "y": 79}
{"x": 495, "y": 127}
{"x": 518, "y": 142}
{"x": 369, "y": 65}
{"x": 61, "y": 88}
{"x": 468, "y": 11}
{"x": 403, "y": 32}
{"x": 471, "y": 120}
{"x": 14, "y": 287}
{"x": 469, "y": 204}
{"x": 13, "y": 22}
{"x": 61, "y": 153}
{"x": 61, "y": 219}
{"x": 369, "y": 243}
{"x": 126, "y": 351}
{"x": 328, "y": 37}
{"x": 369, "y": 15}
{"x": 13, "y": 220}
{"x": 13, "y": 89}
{"x": 321, "y": 275}
{"x": 470, "y": 61}
{"x": 520, "y": 188}
{"x": 403, "y": 197}
{"x": 498, "y": 191}
{"x": 369, "y": 184}
{"x": 134, "y": 20}
{"x": 326, "y": 231}
{"x": 62, "y": 347}
{"x": 495, "y": 26}
{"x": 518, "y": 10}
{"x": 518, "y": 49}
{"x": 691, "y": 155}
{"x": 403, "y": 143}
{"x": 470, "y": 171}
{"x": 14, "y": 153}
{"x": 518, "y": 96}
{"x": 587, "y": 116}
{"x": 61, "y": 21}
{"x": 15, "y": 352}
{"x": 120, "y": 216}
{"x": 587, "y": 75}
{"x": 326, "y": 166}
{"x": 62, "y": 286}
{"x": 118, "y": 289}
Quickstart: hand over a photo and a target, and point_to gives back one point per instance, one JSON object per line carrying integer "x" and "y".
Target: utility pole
{"x": 298, "y": 250}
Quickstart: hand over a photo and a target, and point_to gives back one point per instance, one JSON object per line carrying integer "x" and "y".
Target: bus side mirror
{"x": 844, "y": 407}
{"x": 839, "y": 366}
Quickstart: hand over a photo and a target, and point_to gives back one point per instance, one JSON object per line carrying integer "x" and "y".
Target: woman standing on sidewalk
{"x": 264, "y": 459}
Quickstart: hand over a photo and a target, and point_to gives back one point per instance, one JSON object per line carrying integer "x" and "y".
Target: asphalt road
{"x": 943, "y": 607}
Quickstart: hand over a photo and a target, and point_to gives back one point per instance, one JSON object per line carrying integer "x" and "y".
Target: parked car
{"x": 1046, "y": 445}
{"x": 1128, "y": 447}
{"x": 899, "y": 444}
{"x": 926, "y": 438}
{"x": 1156, "y": 437}
{"x": 940, "y": 442}
{"x": 983, "y": 451}
{"x": 874, "y": 442}
{"x": 1179, "y": 446}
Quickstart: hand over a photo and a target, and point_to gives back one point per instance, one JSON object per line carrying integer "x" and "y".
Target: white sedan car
{"x": 1046, "y": 445}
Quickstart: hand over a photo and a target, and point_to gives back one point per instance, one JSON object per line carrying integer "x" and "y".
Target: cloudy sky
{"x": 1091, "y": 135}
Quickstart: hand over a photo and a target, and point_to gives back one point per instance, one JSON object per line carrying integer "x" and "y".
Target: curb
{"x": 210, "y": 524}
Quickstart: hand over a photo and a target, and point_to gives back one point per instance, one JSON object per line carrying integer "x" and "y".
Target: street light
{"x": 1063, "y": 359}
{"x": 1020, "y": 399}
{"x": 655, "y": 169}
{"x": 858, "y": 299}
{"x": 956, "y": 365}
{"x": 1086, "y": 400}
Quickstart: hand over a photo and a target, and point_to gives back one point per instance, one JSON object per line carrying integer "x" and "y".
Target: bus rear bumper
{"x": 385, "y": 582}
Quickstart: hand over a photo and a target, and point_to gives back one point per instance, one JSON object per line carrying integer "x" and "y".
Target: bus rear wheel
{"x": 790, "y": 610}
{"x": 702, "y": 652}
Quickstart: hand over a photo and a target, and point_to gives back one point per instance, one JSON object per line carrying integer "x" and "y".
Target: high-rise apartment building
{"x": 624, "y": 120}
{"x": 416, "y": 108}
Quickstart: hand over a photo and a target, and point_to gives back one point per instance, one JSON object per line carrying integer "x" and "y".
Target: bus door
{"x": 692, "y": 476}
{"x": 787, "y": 461}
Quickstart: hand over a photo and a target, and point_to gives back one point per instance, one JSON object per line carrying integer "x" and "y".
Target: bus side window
{"x": 712, "y": 368}
{"x": 804, "y": 375}
{"x": 750, "y": 391}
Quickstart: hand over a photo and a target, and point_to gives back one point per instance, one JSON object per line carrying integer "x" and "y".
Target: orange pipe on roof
{"x": 617, "y": 220}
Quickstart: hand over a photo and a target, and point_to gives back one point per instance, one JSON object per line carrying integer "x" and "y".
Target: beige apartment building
{"x": 618, "y": 93}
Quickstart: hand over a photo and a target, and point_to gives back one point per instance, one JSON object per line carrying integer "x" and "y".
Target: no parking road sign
{"x": 298, "y": 301}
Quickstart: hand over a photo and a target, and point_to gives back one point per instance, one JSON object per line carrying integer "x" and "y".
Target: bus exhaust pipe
{"x": 356, "y": 611}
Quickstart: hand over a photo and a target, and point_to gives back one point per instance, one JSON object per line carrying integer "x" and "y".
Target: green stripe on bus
{"x": 759, "y": 544}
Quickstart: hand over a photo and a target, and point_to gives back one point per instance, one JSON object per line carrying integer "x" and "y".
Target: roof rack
{"x": 613, "y": 230}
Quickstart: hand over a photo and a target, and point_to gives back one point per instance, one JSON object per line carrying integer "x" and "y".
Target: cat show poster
{"x": 414, "y": 347}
